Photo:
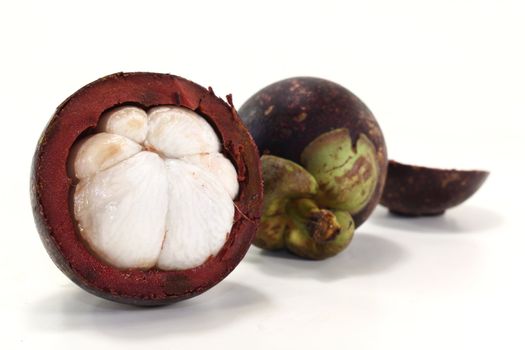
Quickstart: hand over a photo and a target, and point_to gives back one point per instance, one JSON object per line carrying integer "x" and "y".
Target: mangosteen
{"x": 418, "y": 191}
{"x": 146, "y": 188}
{"x": 324, "y": 164}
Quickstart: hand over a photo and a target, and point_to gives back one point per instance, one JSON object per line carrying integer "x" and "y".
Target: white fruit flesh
{"x": 100, "y": 152}
{"x": 219, "y": 165}
{"x": 121, "y": 211}
{"x": 177, "y": 132}
{"x": 153, "y": 189}
{"x": 127, "y": 121}
{"x": 189, "y": 243}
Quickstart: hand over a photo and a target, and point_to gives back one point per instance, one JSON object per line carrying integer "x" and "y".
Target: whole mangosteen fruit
{"x": 324, "y": 164}
{"x": 146, "y": 188}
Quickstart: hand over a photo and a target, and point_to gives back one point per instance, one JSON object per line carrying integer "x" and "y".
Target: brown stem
{"x": 321, "y": 224}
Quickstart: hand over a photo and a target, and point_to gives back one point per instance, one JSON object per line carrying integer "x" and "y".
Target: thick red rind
{"x": 286, "y": 116}
{"x": 51, "y": 186}
{"x": 414, "y": 190}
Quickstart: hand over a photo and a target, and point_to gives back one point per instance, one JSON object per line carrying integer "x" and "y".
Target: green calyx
{"x": 347, "y": 175}
{"x": 308, "y": 210}
{"x": 317, "y": 233}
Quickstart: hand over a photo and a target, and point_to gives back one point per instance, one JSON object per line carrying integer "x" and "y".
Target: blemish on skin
{"x": 362, "y": 170}
{"x": 300, "y": 117}
{"x": 374, "y": 132}
{"x": 265, "y": 98}
{"x": 268, "y": 110}
{"x": 451, "y": 178}
{"x": 295, "y": 85}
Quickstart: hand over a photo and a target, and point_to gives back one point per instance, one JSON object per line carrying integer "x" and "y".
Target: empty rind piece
{"x": 415, "y": 191}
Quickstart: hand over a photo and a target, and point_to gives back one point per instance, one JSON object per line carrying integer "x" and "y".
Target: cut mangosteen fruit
{"x": 146, "y": 188}
{"x": 324, "y": 164}
{"x": 417, "y": 191}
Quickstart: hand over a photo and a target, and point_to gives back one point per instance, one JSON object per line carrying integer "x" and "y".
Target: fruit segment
{"x": 100, "y": 152}
{"x": 200, "y": 215}
{"x": 127, "y": 121}
{"x": 219, "y": 165}
{"x": 177, "y": 131}
{"x": 121, "y": 211}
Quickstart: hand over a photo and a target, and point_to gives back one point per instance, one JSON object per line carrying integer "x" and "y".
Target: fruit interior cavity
{"x": 152, "y": 189}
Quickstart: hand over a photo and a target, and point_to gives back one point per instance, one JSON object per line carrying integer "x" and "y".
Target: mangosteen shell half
{"x": 51, "y": 186}
{"x": 417, "y": 191}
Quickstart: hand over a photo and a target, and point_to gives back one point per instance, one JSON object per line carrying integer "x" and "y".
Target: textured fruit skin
{"x": 51, "y": 186}
{"x": 286, "y": 116}
{"x": 416, "y": 191}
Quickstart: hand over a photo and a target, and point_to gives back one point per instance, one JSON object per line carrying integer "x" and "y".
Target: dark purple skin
{"x": 286, "y": 116}
{"x": 417, "y": 191}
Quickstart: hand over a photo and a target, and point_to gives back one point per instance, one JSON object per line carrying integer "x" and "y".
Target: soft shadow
{"x": 456, "y": 220}
{"x": 73, "y": 309}
{"x": 366, "y": 254}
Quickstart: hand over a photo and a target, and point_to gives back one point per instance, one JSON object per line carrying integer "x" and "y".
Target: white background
{"x": 445, "y": 80}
